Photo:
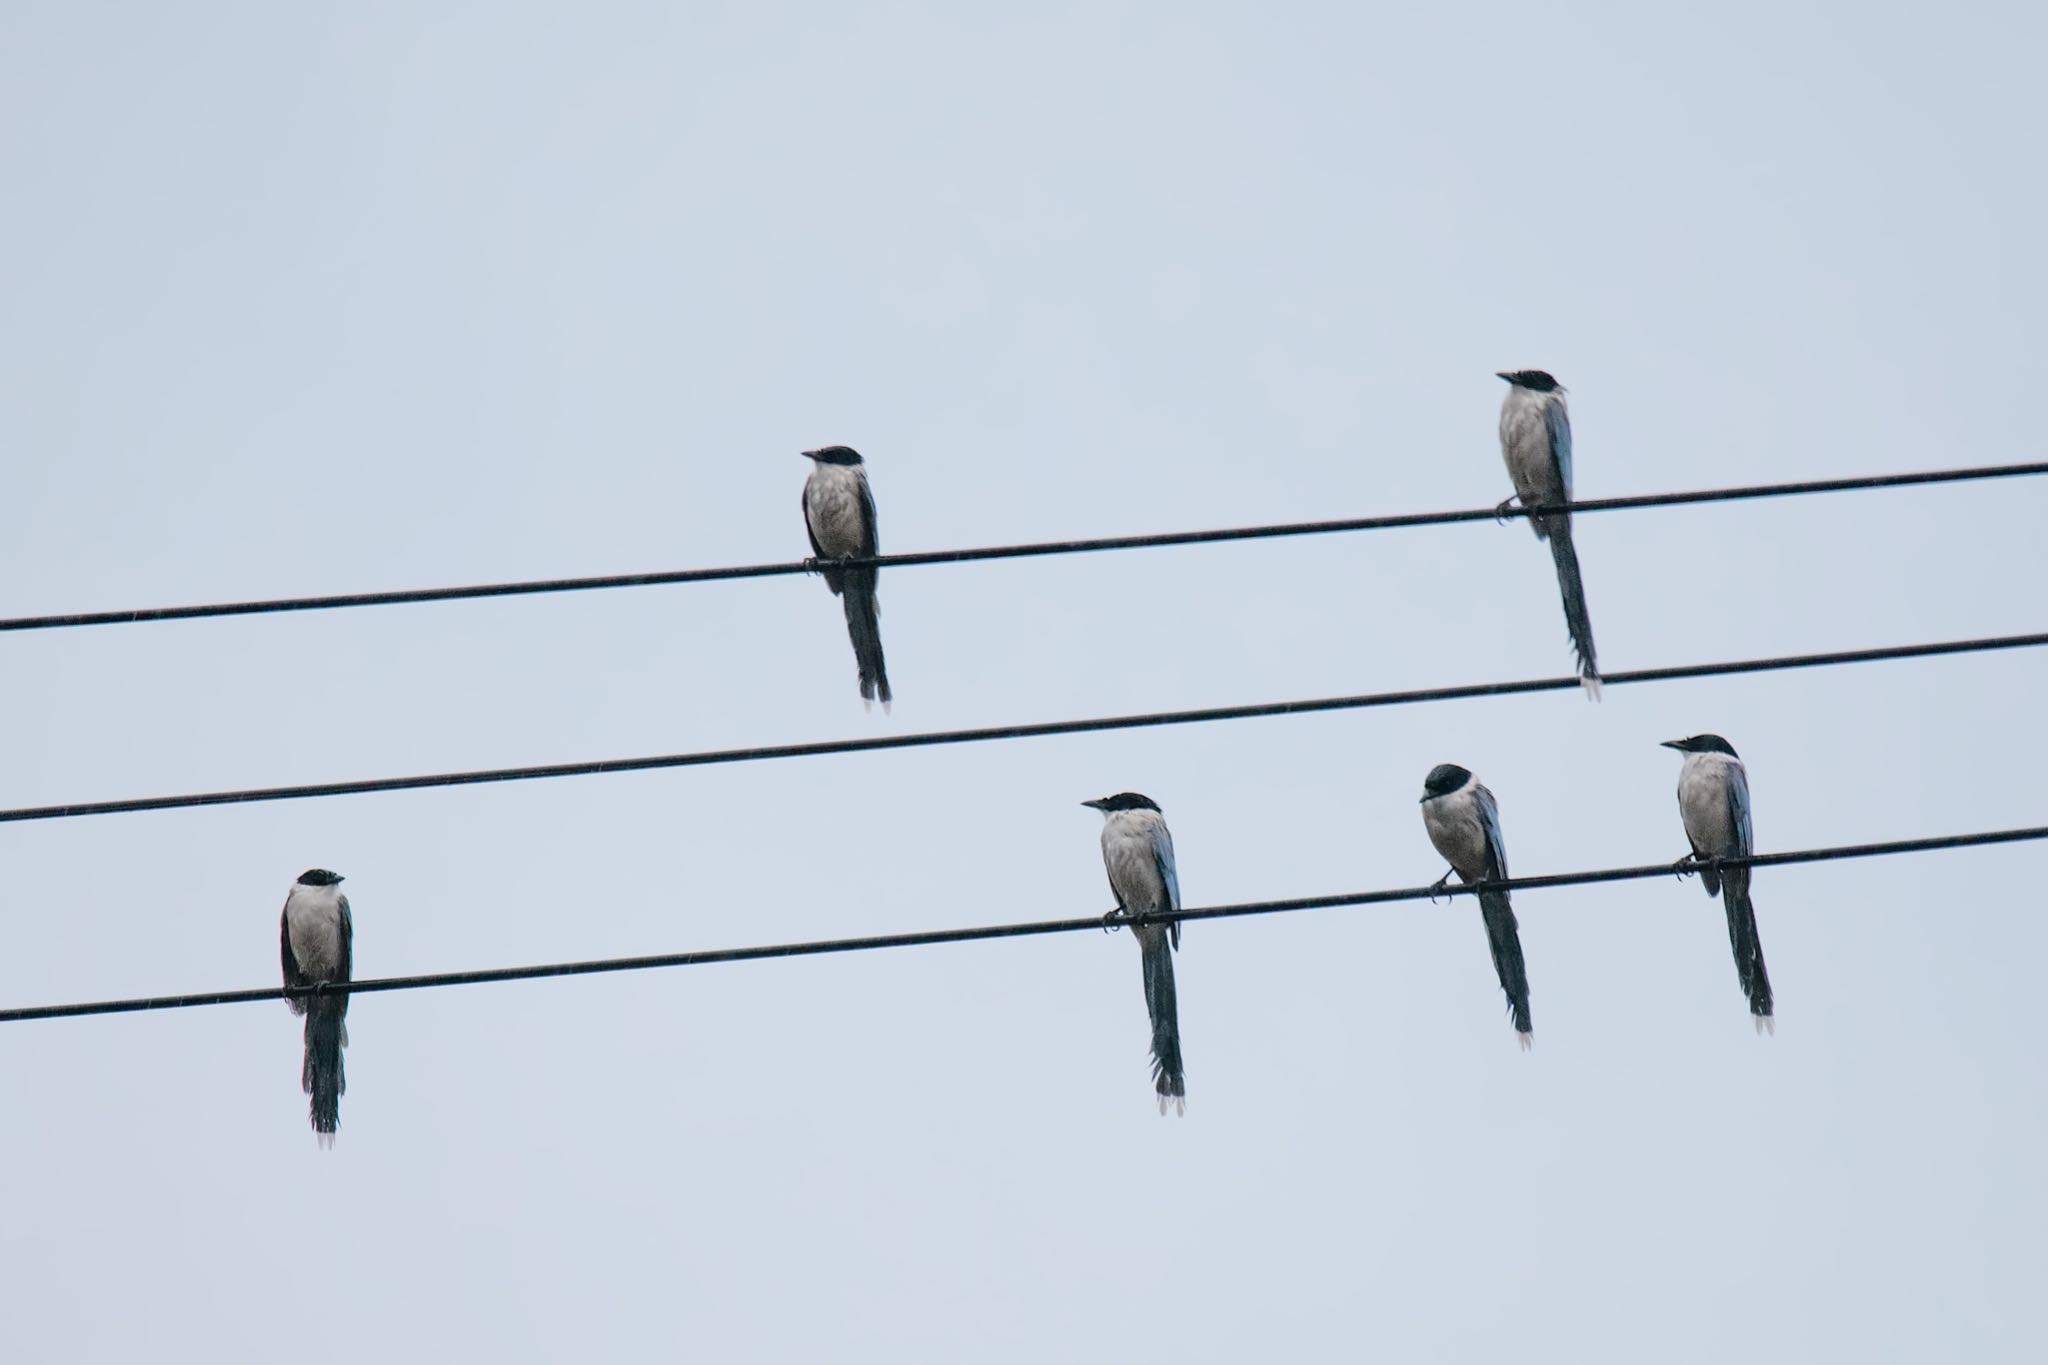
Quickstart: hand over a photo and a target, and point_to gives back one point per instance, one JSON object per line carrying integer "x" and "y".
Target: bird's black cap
{"x": 1444, "y": 779}
{"x": 1702, "y": 744}
{"x": 318, "y": 876}
{"x": 834, "y": 455}
{"x": 1539, "y": 380}
{"x": 1122, "y": 801}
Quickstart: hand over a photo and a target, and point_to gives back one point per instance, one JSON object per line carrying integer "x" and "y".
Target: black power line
{"x": 922, "y": 938}
{"x": 929, "y": 738}
{"x": 1051, "y": 547}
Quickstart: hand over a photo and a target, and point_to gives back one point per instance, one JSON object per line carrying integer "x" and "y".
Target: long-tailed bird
{"x": 1536, "y": 442}
{"x": 1137, "y": 851}
{"x": 1463, "y": 821}
{"x": 315, "y": 937}
{"x": 839, "y": 513}
{"x": 1713, "y": 798}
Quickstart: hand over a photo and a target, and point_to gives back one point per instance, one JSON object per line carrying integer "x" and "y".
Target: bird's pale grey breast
{"x": 833, "y": 505}
{"x": 1703, "y": 801}
{"x": 1457, "y": 826}
{"x": 313, "y": 916}
{"x": 1127, "y": 851}
{"x": 1526, "y": 447}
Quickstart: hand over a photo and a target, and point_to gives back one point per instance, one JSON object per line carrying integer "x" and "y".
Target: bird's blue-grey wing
{"x": 1738, "y": 810}
{"x": 1558, "y": 423}
{"x": 1162, "y": 856}
{"x": 348, "y": 943}
{"x": 867, "y": 517}
{"x": 1496, "y": 847}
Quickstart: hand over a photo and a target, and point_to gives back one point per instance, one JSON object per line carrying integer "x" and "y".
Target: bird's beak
{"x": 808, "y": 454}
{"x": 1677, "y": 744}
{"x": 1503, "y": 374}
{"x": 1096, "y": 804}
{"x": 1425, "y": 797}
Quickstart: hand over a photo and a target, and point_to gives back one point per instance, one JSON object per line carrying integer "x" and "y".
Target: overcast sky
{"x": 300, "y": 299}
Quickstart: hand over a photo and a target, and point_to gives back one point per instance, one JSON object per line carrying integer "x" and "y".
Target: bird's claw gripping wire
{"x": 1505, "y": 510}
{"x": 1441, "y": 886}
{"x": 1691, "y": 863}
{"x": 1114, "y": 920}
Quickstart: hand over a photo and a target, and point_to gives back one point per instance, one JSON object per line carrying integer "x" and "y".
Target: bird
{"x": 839, "y": 514}
{"x": 1463, "y": 821}
{"x": 1536, "y": 442}
{"x": 315, "y": 937}
{"x": 1137, "y": 852}
{"x": 1713, "y": 800}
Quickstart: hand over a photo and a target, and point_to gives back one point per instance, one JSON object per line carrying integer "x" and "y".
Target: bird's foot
{"x": 810, "y": 564}
{"x": 1696, "y": 862}
{"x": 1441, "y": 886}
{"x": 1114, "y": 920}
{"x": 1505, "y": 509}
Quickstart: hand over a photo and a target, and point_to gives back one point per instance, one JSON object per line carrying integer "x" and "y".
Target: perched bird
{"x": 315, "y": 936}
{"x": 1464, "y": 823}
{"x": 839, "y": 512}
{"x": 1137, "y": 850}
{"x": 1536, "y": 442}
{"x": 1713, "y": 798}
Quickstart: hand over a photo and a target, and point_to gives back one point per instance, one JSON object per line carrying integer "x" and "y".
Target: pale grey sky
{"x": 302, "y": 300}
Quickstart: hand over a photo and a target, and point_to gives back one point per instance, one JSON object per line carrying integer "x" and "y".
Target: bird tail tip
{"x": 1527, "y": 1040}
{"x": 1170, "y": 1084}
{"x": 1766, "y": 1025}
{"x": 1591, "y": 683}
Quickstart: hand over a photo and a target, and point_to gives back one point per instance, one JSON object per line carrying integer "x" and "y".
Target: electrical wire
{"x": 927, "y": 937}
{"x": 728, "y": 573}
{"x": 929, "y": 738}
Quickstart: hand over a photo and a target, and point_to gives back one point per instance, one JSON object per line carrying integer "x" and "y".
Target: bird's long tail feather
{"x": 1573, "y": 589}
{"x": 1505, "y": 940}
{"x": 326, "y": 1036}
{"x": 1169, "y": 1078}
{"x": 864, "y": 628}
{"x": 1748, "y": 948}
